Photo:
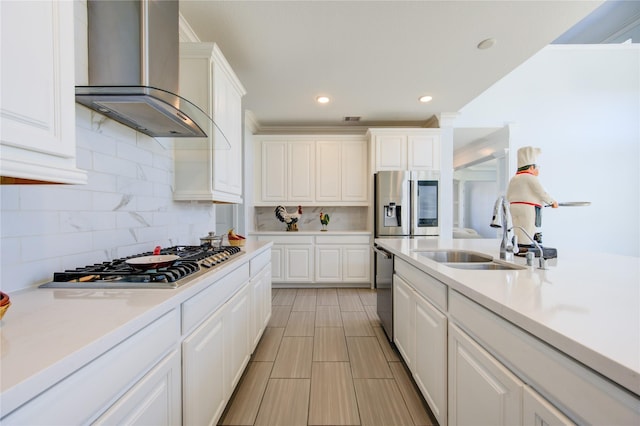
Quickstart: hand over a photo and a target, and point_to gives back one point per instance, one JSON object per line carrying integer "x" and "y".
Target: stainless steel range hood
{"x": 134, "y": 69}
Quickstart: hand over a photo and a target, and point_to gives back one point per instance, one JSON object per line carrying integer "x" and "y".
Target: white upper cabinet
{"x": 38, "y": 107}
{"x": 405, "y": 149}
{"x": 327, "y": 170}
{"x": 210, "y": 169}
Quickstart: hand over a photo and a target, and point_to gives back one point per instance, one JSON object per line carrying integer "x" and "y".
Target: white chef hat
{"x": 528, "y": 155}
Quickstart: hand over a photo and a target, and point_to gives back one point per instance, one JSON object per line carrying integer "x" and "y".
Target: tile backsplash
{"x": 340, "y": 219}
{"x": 126, "y": 208}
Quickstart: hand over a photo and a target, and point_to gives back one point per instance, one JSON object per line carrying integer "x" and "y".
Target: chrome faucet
{"x": 509, "y": 245}
{"x": 502, "y": 219}
{"x": 542, "y": 264}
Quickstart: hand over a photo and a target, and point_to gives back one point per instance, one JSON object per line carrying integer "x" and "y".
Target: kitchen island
{"x": 77, "y": 356}
{"x": 580, "y": 315}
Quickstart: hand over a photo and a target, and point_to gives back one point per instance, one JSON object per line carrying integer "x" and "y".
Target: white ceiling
{"x": 373, "y": 58}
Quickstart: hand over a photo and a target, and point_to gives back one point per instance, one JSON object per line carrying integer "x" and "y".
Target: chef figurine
{"x": 527, "y": 196}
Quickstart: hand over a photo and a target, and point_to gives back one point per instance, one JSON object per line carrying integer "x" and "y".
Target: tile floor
{"x": 325, "y": 360}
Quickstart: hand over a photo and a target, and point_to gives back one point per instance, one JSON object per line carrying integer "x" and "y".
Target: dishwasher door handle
{"x": 386, "y": 254}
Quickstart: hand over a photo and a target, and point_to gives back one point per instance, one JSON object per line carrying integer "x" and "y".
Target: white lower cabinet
{"x": 481, "y": 390}
{"x": 298, "y": 263}
{"x": 155, "y": 400}
{"x": 319, "y": 259}
{"x": 204, "y": 391}
{"x": 236, "y": 325}
{"x": 537, "y": 411}
{"x": 260, "y": 304}
{"x": 420, "y": 333}
{"x": 430, "y": 363}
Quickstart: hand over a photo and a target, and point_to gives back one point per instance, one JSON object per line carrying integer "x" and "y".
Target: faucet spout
{"x": 502, "y": 219}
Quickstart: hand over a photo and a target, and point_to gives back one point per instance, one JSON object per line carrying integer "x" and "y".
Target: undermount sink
{"x": 455, "y": 256}
{"x": 492, "y": 266}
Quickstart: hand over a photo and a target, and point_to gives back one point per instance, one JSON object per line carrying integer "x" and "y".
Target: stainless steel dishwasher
{"x": 384, "y": 288}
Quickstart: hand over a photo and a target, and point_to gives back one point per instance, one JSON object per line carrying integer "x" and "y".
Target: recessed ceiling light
{"x": 426, "y": 98}
{"x": 486, "y": 44}
{"x": 323, "y": 99}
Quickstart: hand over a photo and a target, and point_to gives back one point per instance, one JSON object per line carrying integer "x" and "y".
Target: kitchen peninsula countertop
{"x": 48, "y": 333}
{"x": 586, "y": 305}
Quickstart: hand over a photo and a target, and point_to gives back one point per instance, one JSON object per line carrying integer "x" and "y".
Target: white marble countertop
{"x": 586, "y": 305}
{"x": 48, "y": 333}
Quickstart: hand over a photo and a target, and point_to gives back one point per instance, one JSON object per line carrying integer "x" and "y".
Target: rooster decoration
{"x": 324, "y": 220}
{"x": 291, "y": 219}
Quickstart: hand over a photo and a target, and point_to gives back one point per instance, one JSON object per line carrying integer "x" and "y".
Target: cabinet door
{"x": 274, "y": 170}
{"x": 536, "y": 411}
{"x": 354, "y": 171}
{"x": 329, "y": 171}
{"x": 356, "y": 263}
{"x": 227, "y": 171}
{"x": 236, "y": 325}
{"x": 277, "y": 263}
{"x": 298, "y": 263}
{"x": 328, "y": 263}
{"x": 404, "y": 319}
{"x": 423, "y": 152}
{"x": 481, "y": 390}
{"x": 38, "y": 106}
{"x": 260, "y": 304}
{"x": 300, "y": 171}
{"x": 155, "y": 400}
{"x": 430, "y": 366}
{"x": 204, "y": 393}
{"x": 391, "y": 152}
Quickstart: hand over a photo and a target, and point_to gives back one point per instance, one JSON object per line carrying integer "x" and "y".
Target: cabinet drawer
{"x": 342, "y": 239}
{"x": 287, "y": 239}
{"x": 260, "y": 261}
{"x": 582, "y": 394}
{"x": 80, "y": 397}
{"x": 200, "y": 306}
{"x": 423, "y": 283}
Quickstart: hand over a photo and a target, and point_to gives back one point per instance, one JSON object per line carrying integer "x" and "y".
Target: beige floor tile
{"x": 244, "y": 406}
{"x": 380, "y": 403}
{"x": 305, "y": 300}
{"x": 333, "y": 398}
{"x": 356, "y": 324}
{"x": 368, "y": 297}
{"x": 389, "y": 353}
{"x": 372, "y": 314}
{"x": 300, "y": 324}
{"x": 327, "y": 296}
{"x": 415, "y": 403}
{"x": 329, "y": 344}
{"x": 269, "y": 343}
{"x": 279, "y": 316}
{"x": 367, "y": 359}
{"x": 284, "y": 296}
{"x": 285, "y": 403}
{"x": 294, "y": 358}
{"x": 349, "y": 301}
{"x": 328, "y": 316}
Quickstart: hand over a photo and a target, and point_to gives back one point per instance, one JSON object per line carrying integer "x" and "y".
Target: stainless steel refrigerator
{"x": 406, "y": 204}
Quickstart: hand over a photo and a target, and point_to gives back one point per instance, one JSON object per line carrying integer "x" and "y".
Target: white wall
{"x": 581, "y": 105}
{"x": 126, "y": 208}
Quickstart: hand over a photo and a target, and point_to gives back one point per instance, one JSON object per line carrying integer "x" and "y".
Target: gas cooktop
{"x": 192, "y": 261}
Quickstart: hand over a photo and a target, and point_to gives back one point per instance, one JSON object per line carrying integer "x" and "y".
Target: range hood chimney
{"x": 134, "y": 69}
